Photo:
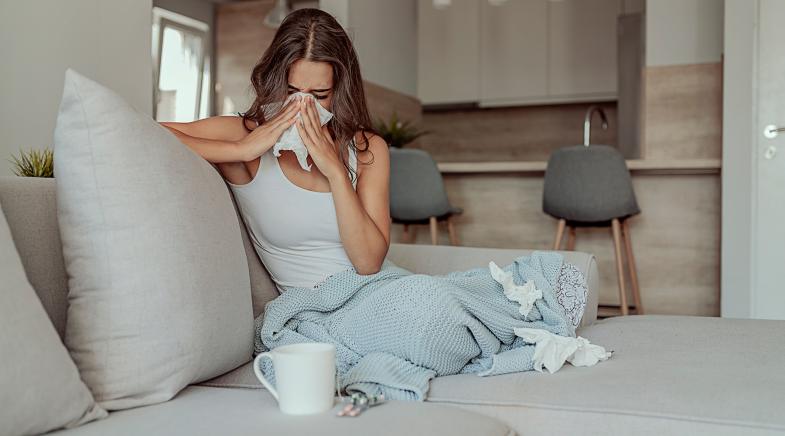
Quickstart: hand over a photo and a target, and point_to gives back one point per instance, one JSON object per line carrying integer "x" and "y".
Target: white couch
{"x": 668, "y": 374}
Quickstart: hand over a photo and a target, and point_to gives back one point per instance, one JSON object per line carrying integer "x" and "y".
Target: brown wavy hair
{"x": 314, "y": 35}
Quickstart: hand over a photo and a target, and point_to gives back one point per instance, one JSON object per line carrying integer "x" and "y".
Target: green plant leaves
{"x": 34, "y": 163}
{"x": 396, "y": 132}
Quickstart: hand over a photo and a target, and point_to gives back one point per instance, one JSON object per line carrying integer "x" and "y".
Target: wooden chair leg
{"x": 636, "y": 291}
{"x": 559, "y": 234}
{"x": 451, "y": 231}
{"x": 406, "y": 234}
{"x": 434, "y": 231}
{"x": 616, "y": 229}
{"x": 571, "y": 238}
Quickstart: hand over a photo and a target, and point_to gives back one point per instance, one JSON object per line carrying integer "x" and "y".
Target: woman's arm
{"x": 364, "y": 215}
{"x": 224, "y": 139}
{"x": 216, "y": 139}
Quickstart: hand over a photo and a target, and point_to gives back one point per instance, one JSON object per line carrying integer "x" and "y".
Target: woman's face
{"x": 312, "y": 77}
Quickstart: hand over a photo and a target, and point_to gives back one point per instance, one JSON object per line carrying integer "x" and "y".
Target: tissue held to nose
{"x": 290, "y": 139}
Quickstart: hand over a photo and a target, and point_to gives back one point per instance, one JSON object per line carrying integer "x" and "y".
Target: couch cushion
{"x": 32, "y": 215}
{"x": 208, "y": 411}
{"x": 240, "y": 377}
{"x": 41, "y": 389}
{"x": 668, "y": 374}
{"x": 159, "y": 290}
{"x": 29, "y": 206}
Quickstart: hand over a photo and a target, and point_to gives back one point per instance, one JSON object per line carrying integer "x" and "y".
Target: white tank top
{"x": 294, "y": 230}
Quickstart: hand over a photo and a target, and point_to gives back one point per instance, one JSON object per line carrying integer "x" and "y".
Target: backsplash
{"x": 522, "y": 133}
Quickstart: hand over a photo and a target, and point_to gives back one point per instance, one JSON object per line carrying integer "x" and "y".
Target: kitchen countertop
{"x": 636, "y": 166}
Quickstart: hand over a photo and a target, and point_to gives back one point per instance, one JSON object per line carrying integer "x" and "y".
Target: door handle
{"x": 771, "y": 131}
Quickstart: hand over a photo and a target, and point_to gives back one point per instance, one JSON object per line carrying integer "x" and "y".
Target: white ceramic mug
{"x": 304, "y": 376}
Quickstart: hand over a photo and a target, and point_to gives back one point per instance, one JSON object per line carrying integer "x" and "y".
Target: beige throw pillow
{"x": 41, "y": 389}
{"x": 159, "y": 291}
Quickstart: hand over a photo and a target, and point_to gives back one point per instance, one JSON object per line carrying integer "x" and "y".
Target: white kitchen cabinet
{"x": 448, "y": 58}
{"x": 514, "y": 52}
{"x": 582, "y": 40}
{"x": 517, "y": 52}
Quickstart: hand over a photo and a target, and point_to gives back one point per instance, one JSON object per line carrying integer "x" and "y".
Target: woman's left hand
{"x": 318, "y": 141}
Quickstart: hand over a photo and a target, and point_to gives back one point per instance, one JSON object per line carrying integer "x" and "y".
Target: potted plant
{"x": 34, "y": 163}
{"x": 397, "y": 133}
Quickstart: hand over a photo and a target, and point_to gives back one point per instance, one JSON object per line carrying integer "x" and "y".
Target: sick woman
{"x": 319, "y": 220}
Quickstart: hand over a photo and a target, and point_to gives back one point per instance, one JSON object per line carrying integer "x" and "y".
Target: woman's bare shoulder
{"x": 222, "y": 127}
{"x": 369, "y": 141}
{"x": 373, "y": 151}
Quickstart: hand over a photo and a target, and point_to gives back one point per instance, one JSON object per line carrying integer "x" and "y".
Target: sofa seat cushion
{"x": 199, "y": 410}
{"x": 240, "y": 377}
{"x": 685, "y": 374}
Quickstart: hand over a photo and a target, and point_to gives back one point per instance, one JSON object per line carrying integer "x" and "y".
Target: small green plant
{"x": 34, "y": 163}
{"x": 397, "y": 133}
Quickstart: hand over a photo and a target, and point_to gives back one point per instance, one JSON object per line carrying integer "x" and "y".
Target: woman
{"x": 337, "y": 215}
{"x": 334, "y": 221}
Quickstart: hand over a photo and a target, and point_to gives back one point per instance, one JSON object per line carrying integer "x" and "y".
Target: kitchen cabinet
{"x": 514, "y": 52}
{"x": 448, "y": 55}
{"x": 582, "y": 40}
{"x": 517, "y": 52}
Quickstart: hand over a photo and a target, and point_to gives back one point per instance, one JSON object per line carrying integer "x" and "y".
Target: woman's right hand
{"x": 266, "y": 135}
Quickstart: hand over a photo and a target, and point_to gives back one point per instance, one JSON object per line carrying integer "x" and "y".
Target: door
{"x": 753, "y": 160}
{"x": 768, "y": 299}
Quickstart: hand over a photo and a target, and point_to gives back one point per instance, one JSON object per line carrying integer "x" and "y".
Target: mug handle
{"x": 260, "y": 376}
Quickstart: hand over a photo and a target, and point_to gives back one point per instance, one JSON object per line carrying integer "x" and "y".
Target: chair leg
{"x": 616, "y": 229}
{"x": 571, "y": 238}
{"x": 636, "y": 291}
{"x": 559, "y": 234}
{"x": 451, "y": 231}
{"x": 434, "y": 231}
{"x": 410, "y": 233}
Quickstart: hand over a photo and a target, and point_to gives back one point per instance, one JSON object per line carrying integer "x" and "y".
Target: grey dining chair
{"x": 590, "y": 186}
{"x": 417, "y": 194}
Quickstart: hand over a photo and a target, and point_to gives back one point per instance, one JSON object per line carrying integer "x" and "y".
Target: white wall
{"x": 384, "y": 34}
{"x": 684, "y": 31}
{"x": 106, "y": 40}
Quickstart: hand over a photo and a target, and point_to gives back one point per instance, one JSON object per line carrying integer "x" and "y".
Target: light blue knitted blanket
{"x": 395, "y": 330}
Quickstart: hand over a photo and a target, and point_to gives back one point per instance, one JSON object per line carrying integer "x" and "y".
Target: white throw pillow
{"x": 159, "y": 289}
{"x": 41, "y": 389}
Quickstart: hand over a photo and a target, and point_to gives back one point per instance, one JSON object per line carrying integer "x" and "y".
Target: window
{"x": 181, "y": 89}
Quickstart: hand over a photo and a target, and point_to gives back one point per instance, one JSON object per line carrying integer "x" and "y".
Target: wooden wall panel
{"x": 676, "y": 238}
{"x": 528, "y": 133}
{"x": 241, "y": 40}
{"x": 683, "y": 111}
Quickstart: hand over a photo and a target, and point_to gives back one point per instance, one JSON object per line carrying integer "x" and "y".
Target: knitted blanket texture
{"x": 395, "y": 330}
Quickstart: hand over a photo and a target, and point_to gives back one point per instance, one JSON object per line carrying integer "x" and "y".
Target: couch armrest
{"x": 441, "y": 259}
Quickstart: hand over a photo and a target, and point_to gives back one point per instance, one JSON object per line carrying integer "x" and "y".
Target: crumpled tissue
{"x": 525, "y": 294}
{"x": 290, "y": 139}
{"x": 550, "y": 350}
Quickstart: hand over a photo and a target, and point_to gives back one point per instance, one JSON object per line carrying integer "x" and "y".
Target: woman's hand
{"x": 317, "y": 139}
{"x": 265, "y": 136}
